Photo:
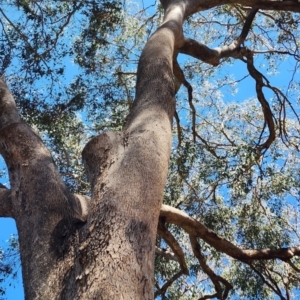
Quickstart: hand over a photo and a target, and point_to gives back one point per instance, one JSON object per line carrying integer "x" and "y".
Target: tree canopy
{"x": 229, "y": 225}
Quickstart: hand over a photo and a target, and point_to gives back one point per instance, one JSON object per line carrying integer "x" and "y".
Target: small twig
{"x": 178, "y": 73}
{"x": 164, "y": 288}
{"x": 179, "y": 132}
{"x": 266, "y": 282}
{"x": 292, "y": 265}
{"x": 268, "y": 115}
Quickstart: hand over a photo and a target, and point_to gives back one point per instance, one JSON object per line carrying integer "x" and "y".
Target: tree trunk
{"x": 111, "y": 254}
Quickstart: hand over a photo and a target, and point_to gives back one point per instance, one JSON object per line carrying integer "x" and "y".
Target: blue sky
{"x": 14, "y": 288}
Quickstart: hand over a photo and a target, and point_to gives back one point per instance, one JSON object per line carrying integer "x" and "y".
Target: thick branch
{"x": 200, "y": 51}
{"x": 195, "y": 228}
{"x": 28, "y": 161}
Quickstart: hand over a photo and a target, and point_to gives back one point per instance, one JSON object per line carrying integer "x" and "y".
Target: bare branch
{"x": 200, "y": 51}
{"x": 178, "y": 73}
{"x": 178, "y": 128}
{"x": 164, "y": 288}
{"x": 213, "y": 56}
{"x": 172, "y": 242}
{"x": 268, "y": 115}
{"x": 216, "y": 279}
{"x": 197, "y": 229}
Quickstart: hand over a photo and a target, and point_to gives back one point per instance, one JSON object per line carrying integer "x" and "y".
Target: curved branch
{"x": 179, "y": 75}
{"x": 213, "y": 56}
{"x": 216, "y": 279}
{"x": 197, "y": 229}
{"x": 164, "y": 288}
{"x": 172, "y": 242}
{"x": 259, "y": 80}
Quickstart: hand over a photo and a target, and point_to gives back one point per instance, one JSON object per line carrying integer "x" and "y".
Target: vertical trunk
{"x": 111, "y": 256}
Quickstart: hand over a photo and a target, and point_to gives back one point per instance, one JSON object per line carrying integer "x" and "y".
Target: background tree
{"x": 230, "y": 213}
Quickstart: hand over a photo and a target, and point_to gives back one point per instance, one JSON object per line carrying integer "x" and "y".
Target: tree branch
{"x": 216, "y": 279}
{"x": 197, "y": 229}
{"x": 259, "y": 80}
{"x": 28, "y": 161}
{"x": 179, "y": 75}
{"x": 271, "y": 285}
{"x": 164, "y": 288}
{"x": 179, "y": 131}
{"x": 172, "y": 242}
{"x": 213, "y": 56}
{"x": 194, "y": 6}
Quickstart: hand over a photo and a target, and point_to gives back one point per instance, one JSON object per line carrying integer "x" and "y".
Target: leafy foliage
{"x": 9, "y": 264}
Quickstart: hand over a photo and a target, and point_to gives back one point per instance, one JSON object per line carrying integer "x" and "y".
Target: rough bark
{"x": 41, "y": 204}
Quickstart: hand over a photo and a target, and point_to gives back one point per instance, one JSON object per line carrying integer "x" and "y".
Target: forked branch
{"x": 163, "y": 289}
{"x": 197, "y": 229}
{"x": 216, "y": 279}
{"x": 268, "y": 115}
{"x": 213, "y": 56}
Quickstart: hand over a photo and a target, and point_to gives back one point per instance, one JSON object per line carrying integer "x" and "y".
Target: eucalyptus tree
{"x": 229, "y": 222}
